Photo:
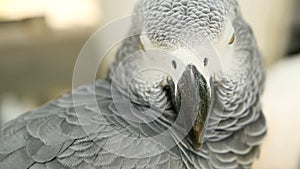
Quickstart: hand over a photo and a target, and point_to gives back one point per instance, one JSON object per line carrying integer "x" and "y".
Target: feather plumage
{"x": 64, "y": 134}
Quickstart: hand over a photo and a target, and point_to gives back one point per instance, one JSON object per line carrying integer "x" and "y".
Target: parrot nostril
{"x": 205, "y": 61}
{"x": 174, "y": 64}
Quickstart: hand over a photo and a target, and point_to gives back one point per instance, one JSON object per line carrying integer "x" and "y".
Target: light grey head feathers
{"x": 169, "y": 21}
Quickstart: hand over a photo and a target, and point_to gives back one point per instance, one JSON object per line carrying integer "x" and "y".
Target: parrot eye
{"x": 232, "y": 39}
{"x": 141, "y": 45}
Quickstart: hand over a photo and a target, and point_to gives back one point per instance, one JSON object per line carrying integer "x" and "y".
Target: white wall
{"x": 114, "y": 9}
{"x": 281, "y": 148}
{"x": 271, "y": 21}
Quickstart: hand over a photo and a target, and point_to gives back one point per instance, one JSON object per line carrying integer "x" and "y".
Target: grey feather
{"x": 17, "y": 160}
{"x": 40, "y": 152}
{"x": 38, "y": 166}
{"x": 56, "y": 165}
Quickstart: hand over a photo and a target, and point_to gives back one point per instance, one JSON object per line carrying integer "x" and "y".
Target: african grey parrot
{"x": 151, "y": 119}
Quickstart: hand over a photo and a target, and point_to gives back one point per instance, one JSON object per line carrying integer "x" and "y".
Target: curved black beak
{"x": 193, "y": 103}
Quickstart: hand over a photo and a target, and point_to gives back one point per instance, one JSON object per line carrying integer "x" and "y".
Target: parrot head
{"x": 195, "y": 38}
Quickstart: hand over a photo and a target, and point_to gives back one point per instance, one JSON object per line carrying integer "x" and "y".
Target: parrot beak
{"x": 193, "y": 103}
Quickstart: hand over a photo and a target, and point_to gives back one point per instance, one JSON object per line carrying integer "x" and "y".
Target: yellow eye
{"x": 142, "y": 46}
{"x": 232, "y": 39}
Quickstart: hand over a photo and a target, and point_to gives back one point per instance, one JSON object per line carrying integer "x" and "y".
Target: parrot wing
{"x": 65, "y": 135}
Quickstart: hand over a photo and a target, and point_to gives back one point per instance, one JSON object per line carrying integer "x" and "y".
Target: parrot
{"x": 165, "y": 103}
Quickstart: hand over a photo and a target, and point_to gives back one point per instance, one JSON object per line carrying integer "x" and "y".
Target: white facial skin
{"x": 201, "y": 55}
{"x": 225, "y": 47}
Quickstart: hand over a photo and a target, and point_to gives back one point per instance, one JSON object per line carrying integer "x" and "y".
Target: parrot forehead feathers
{"x": 169, "y": 21}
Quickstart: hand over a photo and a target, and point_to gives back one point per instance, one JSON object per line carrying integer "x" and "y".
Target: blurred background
{"x": 41, "y": 39}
